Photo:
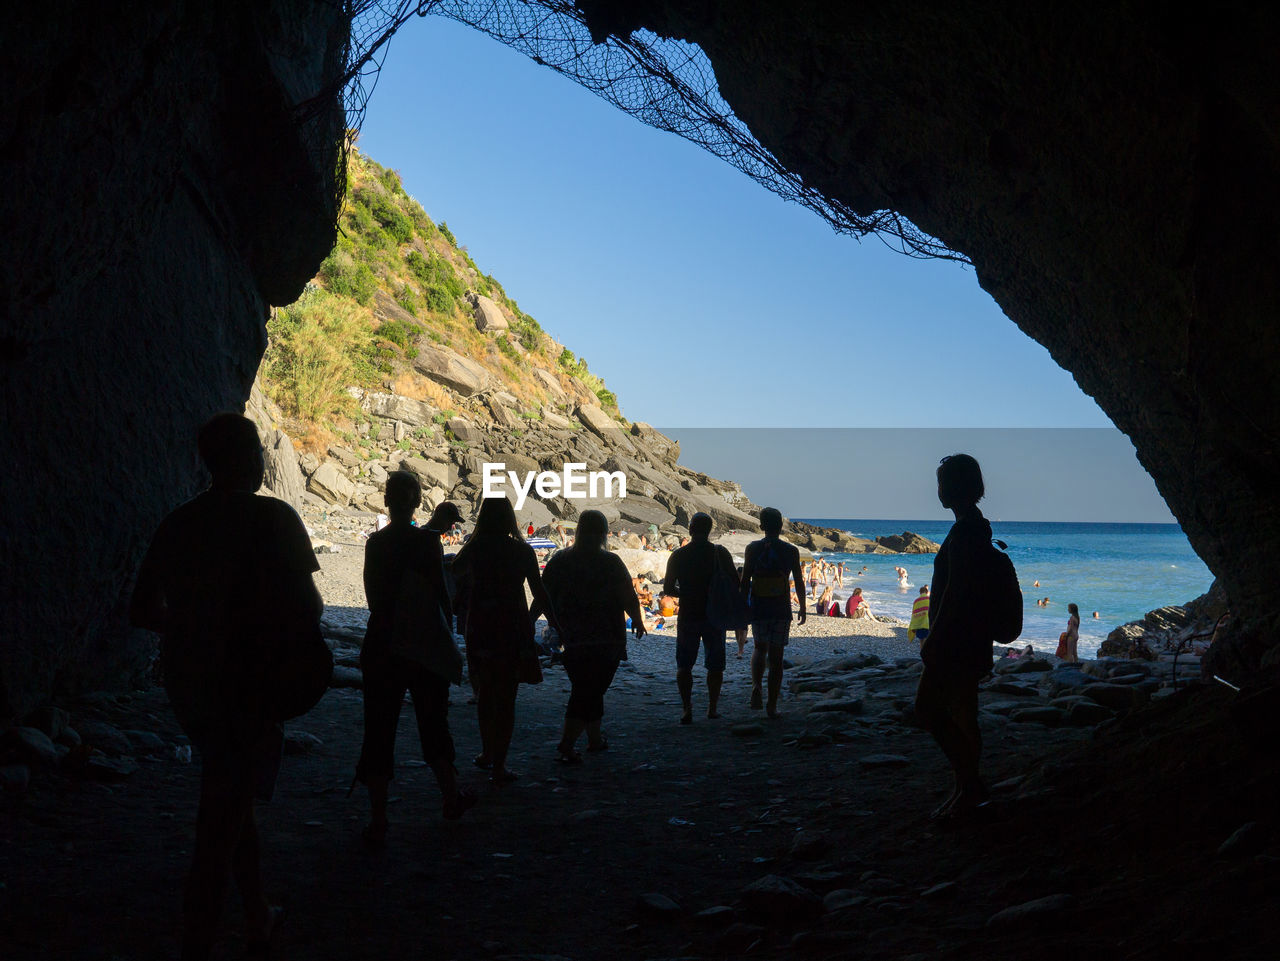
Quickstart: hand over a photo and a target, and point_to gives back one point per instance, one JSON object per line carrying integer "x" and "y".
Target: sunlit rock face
{"x": 1114, "y": 177}
{"x": 159, "y": 193}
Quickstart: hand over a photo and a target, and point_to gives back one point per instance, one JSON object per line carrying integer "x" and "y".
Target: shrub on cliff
{"x": 344, "y": 275}
{"x": 316, "y": 349}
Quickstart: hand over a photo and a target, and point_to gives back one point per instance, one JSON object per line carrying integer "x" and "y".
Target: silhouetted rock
{"x": 1039, "y": 911}
{"x": 137, "y": 309}
{"x": 31, "y": 745}
{"x": 781, "y": 900}
{"x": 104, "y": 737}
{"x": 655, "y": 903}
{"x": 1118, "y": 697}
{"x": 49, "y": 719}
{"x": 1249, "y": 838}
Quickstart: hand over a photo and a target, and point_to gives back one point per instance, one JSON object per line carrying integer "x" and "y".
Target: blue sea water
{"x": 1122, "y": 571}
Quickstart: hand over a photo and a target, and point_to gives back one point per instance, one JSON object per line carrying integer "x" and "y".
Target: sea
{"x": 1121, "y": 571}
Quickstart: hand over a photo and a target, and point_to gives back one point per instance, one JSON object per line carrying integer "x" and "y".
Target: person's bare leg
{"x": 219, "y": 820}
{"x": 484, "y": 719}
{"x": 246, "y": 866}
{"x": 573, "y": 727}
{"x": 504, "y": 725}
{"x": 950, "y": 740}
{"x": 757, "y": 675}
{"x": 595, "y": 738}
{"x": 684, "y": 684}
{"x": 446, "y": 780}
{"x": 714, "y": 681}
{"x": 775, "y": 679}
{"x": 972, "y": 791}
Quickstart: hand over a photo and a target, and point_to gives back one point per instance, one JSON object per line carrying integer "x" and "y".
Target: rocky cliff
{"x": 153, "y": 156}
{"x": 1115, "y": 179}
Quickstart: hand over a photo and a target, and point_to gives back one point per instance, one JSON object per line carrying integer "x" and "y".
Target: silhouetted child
{"x": 224, "y": 574}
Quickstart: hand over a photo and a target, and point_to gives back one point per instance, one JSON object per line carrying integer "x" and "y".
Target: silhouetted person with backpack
{"x": 689, "y": 573}
{"x": 969, "y": 609}
{"x": 767, "y": 566}
{"x": 408, "y": 646}
{"x": 224, "y": 574}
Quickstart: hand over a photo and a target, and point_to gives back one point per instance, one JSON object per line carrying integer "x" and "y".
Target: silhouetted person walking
{"x": 491, "y": 570}
{"x": 957, "y": 650}
{"x": 409, "y": 615}
{"x": 689, "y": 572}
{"x": 224, "y": 573}
{"x": 767, "y": 565}
{"x": 591, "y": 597}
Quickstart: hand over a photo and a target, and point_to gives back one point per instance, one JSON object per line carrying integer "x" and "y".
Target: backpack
{"x": 1003, "y": 608}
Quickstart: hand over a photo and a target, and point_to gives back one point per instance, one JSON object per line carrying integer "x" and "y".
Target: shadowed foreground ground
{"x": 553, "y": 865}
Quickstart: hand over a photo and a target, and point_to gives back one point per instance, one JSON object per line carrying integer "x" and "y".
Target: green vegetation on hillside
{"x": 392, "y": 279}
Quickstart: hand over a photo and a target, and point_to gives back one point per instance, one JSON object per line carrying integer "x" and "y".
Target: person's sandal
{"x": 597, "y": 748}
{"x": 568, "y": 757}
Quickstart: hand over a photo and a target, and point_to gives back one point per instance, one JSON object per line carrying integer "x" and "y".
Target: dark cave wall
{"x": 159, "y": 193}
{"x": 1114, "y": 174}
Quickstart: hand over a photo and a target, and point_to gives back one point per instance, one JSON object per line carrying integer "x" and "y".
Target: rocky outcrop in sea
{"x": 1186, "y": 628}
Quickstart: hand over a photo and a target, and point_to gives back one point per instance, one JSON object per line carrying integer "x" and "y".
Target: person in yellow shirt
{"x": 919, "y": 626}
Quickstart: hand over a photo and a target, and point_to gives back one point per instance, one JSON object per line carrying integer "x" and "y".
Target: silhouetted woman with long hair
{"x": 591, "y": 596}
{"x": 491, "y": 571}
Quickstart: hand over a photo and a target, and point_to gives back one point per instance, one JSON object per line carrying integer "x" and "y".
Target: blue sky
{"x": 701, "y": 298}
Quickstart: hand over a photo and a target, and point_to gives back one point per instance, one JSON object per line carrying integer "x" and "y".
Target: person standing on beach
{"x": 918, "y": 629}
{"x": 226, "y": 574}
{"x": 767, "y": 566}
{"x": 689, "y": 573}
{"x": 1070, "y": 638}
{"x": 957, "y": 652}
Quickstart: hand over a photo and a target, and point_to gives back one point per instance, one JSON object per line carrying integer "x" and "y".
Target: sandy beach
{"x": 342, "y": 589}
